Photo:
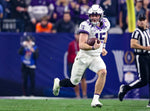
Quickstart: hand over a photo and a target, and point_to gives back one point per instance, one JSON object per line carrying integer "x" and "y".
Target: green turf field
{"x": 71, "y": 105}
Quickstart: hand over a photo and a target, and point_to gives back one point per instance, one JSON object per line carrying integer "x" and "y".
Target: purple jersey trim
{"x": 88, "y": 21}
{"x": 102, "y": 25}
{"x": 96, "y": 94}
{"x": 83, "y": 31}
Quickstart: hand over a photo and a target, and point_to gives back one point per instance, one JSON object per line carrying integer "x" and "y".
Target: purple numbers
{"x": 100, "y": 36}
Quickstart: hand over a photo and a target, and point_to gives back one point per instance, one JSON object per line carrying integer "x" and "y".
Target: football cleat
{"x": 96, "y": 103}
{"x": 122, "y": 92}
{"x": 56, "y": 87}
{"x": 148, "y": 106}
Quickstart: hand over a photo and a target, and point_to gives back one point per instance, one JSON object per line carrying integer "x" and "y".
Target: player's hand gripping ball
{"x": 91, "y": 41}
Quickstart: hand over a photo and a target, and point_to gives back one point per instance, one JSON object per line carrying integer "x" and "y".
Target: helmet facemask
{"x": 95, "y": 18}
{"x": 95, "y": 14}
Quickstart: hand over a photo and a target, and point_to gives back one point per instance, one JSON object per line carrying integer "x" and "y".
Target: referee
{"x": 140, "y": 42}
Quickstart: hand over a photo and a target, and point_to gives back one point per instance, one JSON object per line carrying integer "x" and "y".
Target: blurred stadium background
{"x": 19, "y": 17}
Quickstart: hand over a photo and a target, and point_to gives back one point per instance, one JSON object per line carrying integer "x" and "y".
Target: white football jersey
{"x": 95, "y": 32}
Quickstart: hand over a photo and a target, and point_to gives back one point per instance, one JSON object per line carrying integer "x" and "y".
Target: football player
{"x": 96, "y": 26}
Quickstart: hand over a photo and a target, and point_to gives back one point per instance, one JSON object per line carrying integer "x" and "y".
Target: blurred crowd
{"x": 53, "y": 16}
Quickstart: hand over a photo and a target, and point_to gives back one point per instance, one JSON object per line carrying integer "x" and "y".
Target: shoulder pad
{"x": 106, "y": 24}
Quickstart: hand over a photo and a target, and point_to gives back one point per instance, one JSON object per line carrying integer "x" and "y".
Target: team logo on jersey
{"x": 82, "y": 26}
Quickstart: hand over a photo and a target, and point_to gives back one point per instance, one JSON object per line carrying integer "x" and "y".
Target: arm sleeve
{"x": 69, "y": 49}
{"x": 106, "y": 24}
{"x": 135, "y": 35}
{"x": 30, "y": 12}
{"x": 37, "y": 27}
{"x": 84, "y": 28}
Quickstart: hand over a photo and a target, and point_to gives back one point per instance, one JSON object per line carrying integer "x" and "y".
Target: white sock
{"x": 96, "y": 97}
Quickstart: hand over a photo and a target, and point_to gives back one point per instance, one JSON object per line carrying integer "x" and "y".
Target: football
{"x": 91, "y": 41}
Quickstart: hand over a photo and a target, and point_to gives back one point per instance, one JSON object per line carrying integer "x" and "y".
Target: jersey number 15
{"x": 100, "y": 36}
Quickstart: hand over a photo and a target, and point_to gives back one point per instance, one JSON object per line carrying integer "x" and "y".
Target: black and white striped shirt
{"x": 143, "y": 37}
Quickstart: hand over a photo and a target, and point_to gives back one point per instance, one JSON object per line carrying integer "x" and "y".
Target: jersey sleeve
{"x": 135, "y": 35}
{"x": 38, "y": 27}
{"x": 84, "y": 28}
{"x": 106, "y": 24}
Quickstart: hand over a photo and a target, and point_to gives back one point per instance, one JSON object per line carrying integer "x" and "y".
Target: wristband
{"x": 104, "y": 45}
{"x": 93, "y": 47}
